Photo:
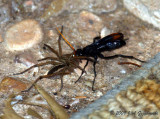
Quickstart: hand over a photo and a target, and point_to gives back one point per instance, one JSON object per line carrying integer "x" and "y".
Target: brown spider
{"x": 61, "y": 64}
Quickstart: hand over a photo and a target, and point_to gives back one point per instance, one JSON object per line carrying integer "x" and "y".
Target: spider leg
{"x": 47, "y": 58}
{"x": 76, "y": 65}
{"x": 36, "y": 65}
{"x": 44, "y": 76}
{"x": 55, "y": 68}
{"x": 82, "y": 72}
{"x": 119, "y": 55}
{"x": 59, "y": 42}
{"x": 61, "y": 77}
{"x": 51, "y": 49}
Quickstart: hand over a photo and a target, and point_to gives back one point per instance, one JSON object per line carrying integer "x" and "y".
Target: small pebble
{"x": 17, "y": 98}
{"x": 146, "y": 10}
{"x": 74, "y": 102}
{"x": 29, "y": 6}
{"x": 9, "y": 84}
{"x": 123, "y": 71}
{"x": 105, "y": 32}
{"x": 99, "y": 94}
{"x": 50, "y": 34}
{"x": 23, "y": 35}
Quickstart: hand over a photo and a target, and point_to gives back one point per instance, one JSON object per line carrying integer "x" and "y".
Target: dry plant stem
{"x": 32, "y": 112}
{"x": 9, "y": 113}
{"x": 56, "y": 108}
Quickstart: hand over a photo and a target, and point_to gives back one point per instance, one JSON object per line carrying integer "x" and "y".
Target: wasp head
{"x": 79, "y": 52}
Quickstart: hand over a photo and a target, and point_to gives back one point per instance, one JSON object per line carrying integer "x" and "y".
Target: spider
{"x": 62, "y": 64}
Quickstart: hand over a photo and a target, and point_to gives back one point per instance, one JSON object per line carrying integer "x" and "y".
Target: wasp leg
{"x": 119, "y": 55}
{"x": 95, "y": 74}
{"x": 76, "y": 65}
{"x": 82, "y": 71}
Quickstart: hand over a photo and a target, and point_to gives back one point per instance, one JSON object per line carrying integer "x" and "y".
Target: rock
{"x": 146, "y": 10}
{"x": 89, "y": 24}
{"x": 23, "y": 35}
{"x": 9, "y": 84}
{"x": 54, "y": 9}
{"x": 88, "y": 20}
{"x": 71, "y": 6}
{"x": 95, "y": 6}
{"x": 104, "y": 32}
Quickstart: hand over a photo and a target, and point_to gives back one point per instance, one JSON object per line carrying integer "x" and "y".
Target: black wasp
{"x": 99, "y": 45}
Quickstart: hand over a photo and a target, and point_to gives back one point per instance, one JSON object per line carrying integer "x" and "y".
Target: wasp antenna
{"x": 66, "y": 40}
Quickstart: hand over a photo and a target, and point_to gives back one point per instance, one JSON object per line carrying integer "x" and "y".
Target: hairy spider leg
{"x": 37, "y": 65}
{"x": 57, "y": 54}
{"x": 44, "y": 76}
{"x": 59, "y": 42}
{"x": 54, "y": 69}
{"x": 61, "y": 77}
{"x": 47, "y": 58}
{"x": 52, "y": 50}
{"x": 66, "y": 41}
